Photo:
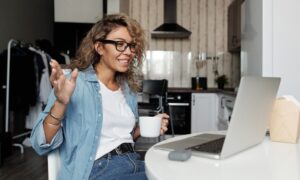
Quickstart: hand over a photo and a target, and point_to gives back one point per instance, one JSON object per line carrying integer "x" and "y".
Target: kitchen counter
{"x": 227, "y": 91}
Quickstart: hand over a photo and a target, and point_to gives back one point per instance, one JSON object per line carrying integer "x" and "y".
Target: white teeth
{"x": 123, "y": 61}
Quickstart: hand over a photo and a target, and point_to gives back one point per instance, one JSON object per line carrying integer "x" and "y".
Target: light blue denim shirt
{"x": 78, "y": 138}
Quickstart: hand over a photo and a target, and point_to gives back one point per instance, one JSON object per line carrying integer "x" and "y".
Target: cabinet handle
{"x": 178, "y": 104}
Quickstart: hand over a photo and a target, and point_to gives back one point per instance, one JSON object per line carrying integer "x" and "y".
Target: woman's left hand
{"x": 164, "y": 123}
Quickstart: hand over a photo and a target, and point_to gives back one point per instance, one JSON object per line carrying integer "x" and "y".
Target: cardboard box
{"x": 285, "y": 120}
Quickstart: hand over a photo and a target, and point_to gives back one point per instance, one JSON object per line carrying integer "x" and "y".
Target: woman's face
{"x": 110, "y": 50}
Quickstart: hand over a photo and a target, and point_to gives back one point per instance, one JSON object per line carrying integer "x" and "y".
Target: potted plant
{"x": 221, "y": 80}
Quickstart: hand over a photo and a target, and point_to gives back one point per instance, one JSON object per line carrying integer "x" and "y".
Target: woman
{"x": 91, "y": 115}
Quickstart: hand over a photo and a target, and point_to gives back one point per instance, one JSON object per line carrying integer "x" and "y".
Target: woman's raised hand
{"x": 63, "y": 87}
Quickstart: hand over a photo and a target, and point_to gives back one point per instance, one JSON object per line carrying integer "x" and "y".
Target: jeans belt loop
{"x": 118, "y": 150}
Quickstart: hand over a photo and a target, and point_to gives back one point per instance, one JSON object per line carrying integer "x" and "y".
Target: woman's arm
{"x": 63, "y": 90}
{"x": 52, "y": 122}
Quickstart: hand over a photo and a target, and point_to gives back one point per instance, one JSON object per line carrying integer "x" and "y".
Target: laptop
{"x": 247, "y": 127}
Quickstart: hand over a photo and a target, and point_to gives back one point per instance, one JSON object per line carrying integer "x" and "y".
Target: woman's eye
{"x": 120, "y": 43}
{"x": 132, "y": 45}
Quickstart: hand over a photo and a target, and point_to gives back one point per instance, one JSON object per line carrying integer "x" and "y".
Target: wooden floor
{"x": 28, "y": 166}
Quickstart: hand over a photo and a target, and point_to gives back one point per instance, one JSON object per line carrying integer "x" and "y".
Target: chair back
{"x": 156, "y": 89}
{"x": 53, "y": 165}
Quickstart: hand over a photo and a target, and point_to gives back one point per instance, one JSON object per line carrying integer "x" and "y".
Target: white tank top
{"x": 118, "y": 121}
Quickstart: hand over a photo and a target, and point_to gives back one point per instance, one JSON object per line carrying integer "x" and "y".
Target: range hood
{"x": 170, "y": 29}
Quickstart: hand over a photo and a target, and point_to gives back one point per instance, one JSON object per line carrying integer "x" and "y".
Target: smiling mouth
{"x": 123, "y": 61}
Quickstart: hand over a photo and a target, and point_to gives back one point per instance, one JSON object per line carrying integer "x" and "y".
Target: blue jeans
{"x": 125, "y": 166}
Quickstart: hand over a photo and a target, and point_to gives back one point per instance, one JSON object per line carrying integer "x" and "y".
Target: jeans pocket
{"x": 99, "y": 168}
{"x": 138, "y": 164}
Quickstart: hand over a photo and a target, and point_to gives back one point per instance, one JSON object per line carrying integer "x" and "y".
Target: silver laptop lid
{"x": 248, "y": 123}
{"x": 250, "y": 114}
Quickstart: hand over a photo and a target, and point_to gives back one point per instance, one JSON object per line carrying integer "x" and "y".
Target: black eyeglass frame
{"x": 117, "y": 44}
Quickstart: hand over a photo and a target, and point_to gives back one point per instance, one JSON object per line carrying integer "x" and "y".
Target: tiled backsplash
{"x": 178, "y": 68}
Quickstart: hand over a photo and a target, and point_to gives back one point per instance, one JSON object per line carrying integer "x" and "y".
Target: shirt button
{"x": 91, "y": 158}
{"x": 96, "y": 137}
{"x": 99, "y": 115}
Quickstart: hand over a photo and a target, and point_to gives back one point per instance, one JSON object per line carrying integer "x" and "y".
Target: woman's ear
{"x": 99, "y": 48}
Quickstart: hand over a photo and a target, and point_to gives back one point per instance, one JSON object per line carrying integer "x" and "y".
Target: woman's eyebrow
{"x": 121, "y": 39}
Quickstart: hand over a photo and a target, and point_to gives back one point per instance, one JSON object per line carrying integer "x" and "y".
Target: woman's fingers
{"x": 164, "y": 123}
{"x": 54, "y": 70}
{"x": 56, "y": 78}
{"x": 53, "y": 76}
{"x": 163, "y": 130}
{"x": 61, "y": 81}
{"x": 55, "y": 65}
{"x": 74, "y": 76}
{"x": 164, "y": 116}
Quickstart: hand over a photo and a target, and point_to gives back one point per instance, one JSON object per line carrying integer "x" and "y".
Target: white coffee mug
{"x": 150, "y": 126}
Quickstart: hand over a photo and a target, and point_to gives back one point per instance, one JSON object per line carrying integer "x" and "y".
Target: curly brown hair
{"x": 87, "y": 55}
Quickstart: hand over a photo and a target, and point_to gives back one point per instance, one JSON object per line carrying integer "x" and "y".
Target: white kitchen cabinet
{"x": 204, "y": 112}
{"x": 270, "y": 42}
{"x": 78, "y": 11}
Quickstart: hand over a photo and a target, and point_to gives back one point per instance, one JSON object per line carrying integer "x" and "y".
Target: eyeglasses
{"x": 121, "y": 46}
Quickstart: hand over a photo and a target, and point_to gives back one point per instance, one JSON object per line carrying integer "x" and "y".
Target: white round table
{"x": 266, "y": 161}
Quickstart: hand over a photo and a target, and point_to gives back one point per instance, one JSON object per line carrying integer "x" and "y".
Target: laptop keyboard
{"x": 214, "y": 146}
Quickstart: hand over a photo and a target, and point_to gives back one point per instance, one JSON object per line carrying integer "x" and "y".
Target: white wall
{"x": 113, "y": 6}
{"x": 286, "y": 45}
{"x": 272, "y": 47}
{"x": 78, "y": 11}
